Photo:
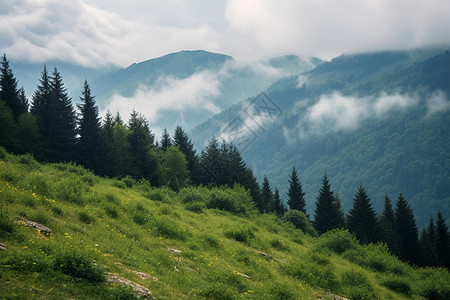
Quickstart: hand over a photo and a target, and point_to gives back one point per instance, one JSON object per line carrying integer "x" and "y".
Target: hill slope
{"x": 199, "y": 243}
{"x": 377, "y": 119}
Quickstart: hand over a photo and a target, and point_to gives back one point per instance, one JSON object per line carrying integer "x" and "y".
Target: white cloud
{"x": 176, "y": 95}
{"x": 437, "y": 103}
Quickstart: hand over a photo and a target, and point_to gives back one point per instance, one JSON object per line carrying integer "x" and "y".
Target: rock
{"x": 335, "y": 297}
{"x": 270, "y": 257}
{"x": 41, "y": 228}
{"x": 141, "y": 291}
{"x": 175, "y": 251}
{"x": 145, "y": 276}
{"x": 244, "y": 275}
{"x": 3, "y": 247}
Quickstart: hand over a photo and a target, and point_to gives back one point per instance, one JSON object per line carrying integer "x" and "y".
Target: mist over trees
{"x": 53, "y": 131}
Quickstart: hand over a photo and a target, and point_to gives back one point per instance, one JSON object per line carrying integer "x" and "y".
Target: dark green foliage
{"x": 387, "y": 223}
{"x": 442, "y": 242}
{"x": 328, "y": 213}
{"x": 407, "y": 245}
{"x": 78, "y": 265}
{"x": 398, "y": 285}
{"x": 7, "y": 225}
{"x": 266, "y": 196}
{"x": 296, "y": 197}
{"x": 338, "y": 241}
{"x": 174, "y": 168}
{"x": 357, "y": 286}
{"x": 362, "y": 219}
{"x": 89, "y": 131}
{"x": 186, "y": 146}
{"x": 166, "y": 140}
{"x": 240, "y": 234}
{"x": 13, "y": 97}
{"x": 8, "y": 127}
{"x": 277, "y": 205}
{"x": 86, "y": 218}
{"x": 428, "y": 244}
{"x": 300, "y": 221}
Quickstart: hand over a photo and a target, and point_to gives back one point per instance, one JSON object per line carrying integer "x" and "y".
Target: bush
{"x": 357, "y": 286}
{"x": 195, "y": 207}
{"x": 338, "y": 241}
{"x": 111, "y": 211}
{"x": 129, "y": 181}
{"x": 78, "y": 265}
{"x": 28, "y": 262}
{"x": 277, "y": 244}
{"x": 398, "y": 285}
{"x": 140, "y": 218}
{"x": 300, "y": 221}
{"x": 240, "y": 234}
{"x": 7, "y": 225}
{"x": 192, "y": 195}
{"x": 86, "y": 218}
{"x": 169, "y": 229}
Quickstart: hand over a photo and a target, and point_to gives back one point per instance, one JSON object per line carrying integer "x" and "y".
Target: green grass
{"x": 228, "y": 250}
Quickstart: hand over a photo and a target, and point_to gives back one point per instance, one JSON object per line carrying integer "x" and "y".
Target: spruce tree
{"x": 406, "y": 232}
{"x": 266, "y": 195}
{"x": 181, "y": 139}
{"x": 89, "y": 131}
{"x": 442, "y": 242}
{"x": 62, "y": 137}
{"x": 9, "y": 92}
{"x": 277, "y": 204}
{"x": 213, "y": 163}
{"x": 387, "y": 223}
{"x": 166, "y": 140}
{"x": 8, "y": 127}
{"x": 328, "y": 213}
{"x": 362, "y": 218}
{"x": 296, "y": 197}
{"x": 428, "y": 244}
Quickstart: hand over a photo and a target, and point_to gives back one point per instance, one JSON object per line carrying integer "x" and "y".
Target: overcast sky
{"x": 110, "y": 32}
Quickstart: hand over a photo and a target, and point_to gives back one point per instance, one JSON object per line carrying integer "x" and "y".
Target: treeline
{"x": 52, "y": 130}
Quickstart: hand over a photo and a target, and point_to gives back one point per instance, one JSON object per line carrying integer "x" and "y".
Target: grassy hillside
{"x": 195, "y": 244}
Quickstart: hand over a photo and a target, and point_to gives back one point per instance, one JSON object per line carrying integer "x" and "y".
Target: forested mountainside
{"x": 377, "y": 119}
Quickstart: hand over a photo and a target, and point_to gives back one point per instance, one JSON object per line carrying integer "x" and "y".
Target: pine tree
{"x": 213, "y": 163}
{"x": 186, "y": 146}
{"x": 266, "y": 195}
{"x": 9, "y": 92}
{"x": 428, "y": 244}
{"x": 328, "y": 213}
{"x": 387, "y": 223}
{"x": 296, "y": 197}
{"x": 107, "y": 159}
{"x": 277, "y": 204}
{"x": 89, "y": 131}
{"x": 62, "y": 137}
{"x": 442, "y": 242}
{"x": 166, "y": 140}
{"x": 362, "y": 218}
{"x": 28, "y": 136}
{"x": 406, "y": 232}
{"x": 7, "y": 127}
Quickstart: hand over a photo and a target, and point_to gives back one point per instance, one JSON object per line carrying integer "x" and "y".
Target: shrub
{"x": 169, "y": 229}
{"x": 129, "y": 181}
{"x": 277, "y": 244}
{"x": 28, "y": 159}
{"x": 240, "y": 234}
{"x": 191, "y": 195}
{"x": 313, "y": 273}
{"x": 282, "y": 292}
{"x": 57, "y": 210}
{"x": 119, "y": 184}
{"x": 28, "y": 262}
{"x": 210, "y": 241}
{"x": 195, "y": 207}
{"x": 140, "y": 218}
{"x": 111, "y": 211}
{"x": 86, "y": 218}
{"x": 338, "y": 241}
{"x": 398, "y": 285}
{"x": 7, "y": 226}
{"x": 357, "y": 286}
{"x": 300, "y": 221}
{"x": 78, "y": 265}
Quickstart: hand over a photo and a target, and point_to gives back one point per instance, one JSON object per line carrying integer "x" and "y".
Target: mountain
{"x": 377, "y": 119}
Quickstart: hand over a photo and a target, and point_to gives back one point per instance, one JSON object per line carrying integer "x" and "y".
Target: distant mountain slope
{"x": 377, "y": 119}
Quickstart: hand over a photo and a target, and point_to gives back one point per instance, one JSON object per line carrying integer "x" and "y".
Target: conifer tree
{"x": 9, "y": 92}
{"x": 181, "y": 139}
{"x": 266, "y": 195}
{"x": 277, "y": 204}
{"x": 166, "y": 140}
{"x": 89, "y": 131}
{"x": 428, "y": 244}
{"x": 406, "y": 232}
{"x": 62, "y": 137}
{"x": 213, "y": 163}
{"x": 8, "y": 127}
{"x": 362, "y": 218}
{"x": 328, "y": 213}
{"x": 296, "y": 197}
{"x": 442, "y": 242}
{"x": 387, "y": 223}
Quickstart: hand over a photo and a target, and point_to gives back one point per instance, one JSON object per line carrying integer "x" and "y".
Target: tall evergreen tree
{"x": 166, "y": 140}
{"x": 89, "y": 131}
{"x": 7, "y": 127}
{"x": 362, "y": 218}
{"x": 63, "y": 134}
{"x": 296, "y": 197}
{"x": 328, "y": 213}
{"x": 9, "y": 91}
{"x": 213, "y": 163}
{"x": 266, "y": 195}
{"x": 428, "y": 244}
{"x": 406, "y": 232}
{"x": 387, "y": 223}
{"x": 277, "y": 204}
{"x": 442, "y": 242}
{"x": 181, "y": 139}
{"x": 107, "y": 160}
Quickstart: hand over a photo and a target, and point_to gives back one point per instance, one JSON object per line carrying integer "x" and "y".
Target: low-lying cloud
{"x": 337, "y": 113}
